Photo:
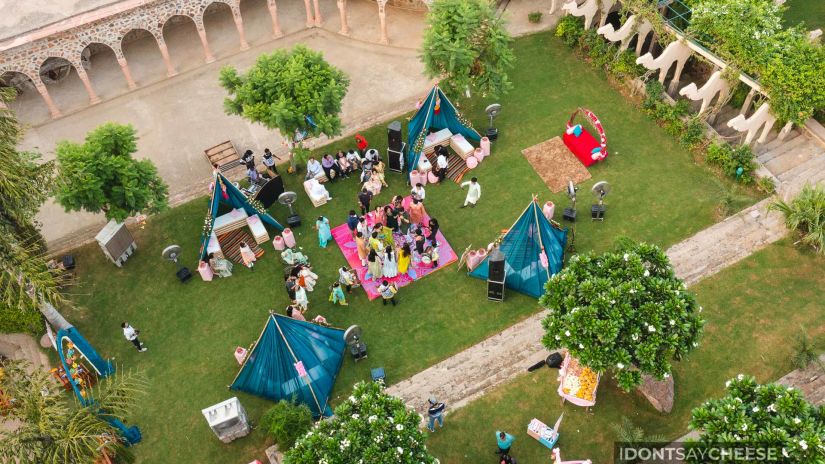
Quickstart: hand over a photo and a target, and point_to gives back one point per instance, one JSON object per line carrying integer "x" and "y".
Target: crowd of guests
{"x": 369, "y": 168}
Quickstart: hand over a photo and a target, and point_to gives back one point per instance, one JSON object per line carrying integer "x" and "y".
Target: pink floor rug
{"x": 417, "y": 269}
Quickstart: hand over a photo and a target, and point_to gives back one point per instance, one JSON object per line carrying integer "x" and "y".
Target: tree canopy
{"x": 771, "y": 416}
{"x": 25, "y": 183}
{"x": 624, "y": 310}
{"x": 289, "y": 90}
{"x": 467, "y": 46}
{"x": 370, "y": 426}
{"x": 100, "y": 175}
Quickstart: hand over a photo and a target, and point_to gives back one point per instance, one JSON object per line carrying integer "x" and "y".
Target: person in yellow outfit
{"x": 404, "y": 255}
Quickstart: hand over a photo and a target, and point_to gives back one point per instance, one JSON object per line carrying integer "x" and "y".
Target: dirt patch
{"x": 555, "y": 164}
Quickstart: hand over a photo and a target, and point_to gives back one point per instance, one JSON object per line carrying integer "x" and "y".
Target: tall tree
{"x": 370, "y": 426}
{"x": 51, "y": 430}
{"x": 624, "y": 311}
{"x": 25, "y": 279}
{"x": 100, "y": 175}
{"x": 288, "y": 90}
{"x": 467, "y": 46}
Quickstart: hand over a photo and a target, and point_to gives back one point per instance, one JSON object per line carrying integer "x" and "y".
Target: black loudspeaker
{"x": 294, "y": 221}
{"x": 68, "y": 262}
{"x": 395, "y": 158}
{"x": 496, "y": 266}
{"x": 569, "y": 214}
{"x": 394, "y": 136}
{"x": 495, "y": 290}
{"x": 268, "y": 194}
{"x": 554, "y": 361}
{"x": 184, "y": 274}
{"x": 597, "y": 212}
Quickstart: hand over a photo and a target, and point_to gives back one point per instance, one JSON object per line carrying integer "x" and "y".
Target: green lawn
{"x": 810, "y": 12}
{"x": 754, "y": 311}
{"x": 660, "y": 195}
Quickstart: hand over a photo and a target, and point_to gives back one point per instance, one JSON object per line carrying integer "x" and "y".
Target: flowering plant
{"x": 369, "y": 427}
{"x": 624, "y": 311}
{"x": 772, "y": 416}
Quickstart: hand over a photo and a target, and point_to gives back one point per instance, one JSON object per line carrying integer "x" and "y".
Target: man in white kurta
{"x": 473, "y": 193}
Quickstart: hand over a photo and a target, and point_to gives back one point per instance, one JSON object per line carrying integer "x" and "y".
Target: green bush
{"x": 654, "y": 90}
{"x": 731, "y": 159}
{"x": 569, "y": 30}
{"x": 624, "y": 66}
{"x": 13, "y": 320}
{"x": 534, "y": 17}
{"x": 693, "y": 133}
{"x": 765, "y": 184}
{"x": 806, "y": 215}
{"x": 286, "y": 422}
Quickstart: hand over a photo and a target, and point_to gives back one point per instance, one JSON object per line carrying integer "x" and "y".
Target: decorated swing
{"x": 581, "y": 143}
{"x": 577, "y": 383}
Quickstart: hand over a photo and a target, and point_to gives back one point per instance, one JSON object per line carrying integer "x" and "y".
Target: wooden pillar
{"x": 310, "y": 21}
{"x": 124, "y": 66}
{"x": 276, "y": 26}
{"x": 318, "y": 19}
{"x": 382, "y": 15}
{"x": 207, "y": 52}
{"x": 41, "y": 88}
{"x": 81, "y": 73}
{"x": 236, "y": 15}
{"x": 164, "y": 52}
{"x": 342, "y": 10}
{"x": 748, "y": 100}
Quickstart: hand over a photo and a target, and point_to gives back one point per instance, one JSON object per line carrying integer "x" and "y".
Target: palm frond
{"x": 116, "y": 394}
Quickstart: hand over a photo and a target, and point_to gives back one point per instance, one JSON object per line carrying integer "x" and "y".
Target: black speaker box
{"x": 597, "y": 212}
{"x": 68, "y": 262}
{"x": 394, "y": 136}
{"x": 495, "y": 265}
{"x": 495, "y": 290}
{"x": 294, "y": 220}
{"x": 569, "y": 214}
{"x": 184, "y": 274}
{"x": 268, "y": 194}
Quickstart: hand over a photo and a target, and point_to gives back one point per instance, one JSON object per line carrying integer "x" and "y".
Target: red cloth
{"x": 361, "y": 142}
{"x": 582, "y": 146}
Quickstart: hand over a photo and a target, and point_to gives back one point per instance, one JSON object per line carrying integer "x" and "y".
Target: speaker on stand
{"x": 495, "y": 276}
{"x": 395, "y": 147}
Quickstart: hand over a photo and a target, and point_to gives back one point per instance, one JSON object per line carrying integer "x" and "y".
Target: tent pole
{"x": 295, "y": 358}
{"x": 249, "y": 355}
{"x": 424, "y": 127}
{"x": 535, "y": 206}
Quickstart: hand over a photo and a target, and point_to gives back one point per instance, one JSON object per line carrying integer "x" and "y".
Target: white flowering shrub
{"x": 623, "y": 311}
{"x": 772, "y": 417}
{"x": 370, "y": 427}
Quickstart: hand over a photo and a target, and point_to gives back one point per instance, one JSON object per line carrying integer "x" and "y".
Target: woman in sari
{"x": 404, "y": 255}
{"x": 221, "y": 266}
{"x": 374, "y": 264}
{"x": 373, "y": 184}
{"x": 324, "y": 232}
{"x": 247, "y": 255}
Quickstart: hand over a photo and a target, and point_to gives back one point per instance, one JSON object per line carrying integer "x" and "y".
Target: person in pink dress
{"x": 417, "y": 212}
{"x": 247, "y": 255}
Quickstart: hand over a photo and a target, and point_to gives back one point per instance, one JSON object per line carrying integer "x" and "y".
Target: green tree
{"x": 52, "y": 430}
{"x": 806, "y": 215}
{"x": 370, "y": 426}
{"x": 285, "y": 422}
{"x": 100, "y": 175}
{"x": 773, "y": 416}
{"x": 25, "y": 182}
{"x": 467, "y": 46}
{"x": 624, "y": 310}
{"x": 286, "y": 89}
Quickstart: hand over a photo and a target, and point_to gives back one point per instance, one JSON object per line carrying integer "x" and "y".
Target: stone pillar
{"x": 236, "y": 15}
{"x": 41, "y": 88}
{"x": 81, "y": 73}
{"x": 164, "y": 52}
{"x": 677, "y": 75}
{"x": 310, "y": 21}
{"x": 786, "y": 129}
{"x": 318, "y": 19}
{"x": 382, "y": 15}
{"x": 124, "y": 66}
{"x": 276, "y": 26}
{"x": 342, "y": 10}
{"x": 207, "y": 52}
{"x": 552, "y": 6}
{"x": 748, "y": 100}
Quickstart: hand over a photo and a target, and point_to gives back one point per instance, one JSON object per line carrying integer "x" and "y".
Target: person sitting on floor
{"x": 221, "y": 266}
{"x": 373, "y": 184}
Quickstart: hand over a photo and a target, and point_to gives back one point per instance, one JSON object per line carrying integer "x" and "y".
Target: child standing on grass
{"x": 337, "y": 295}
{"x": 388, "y": 291}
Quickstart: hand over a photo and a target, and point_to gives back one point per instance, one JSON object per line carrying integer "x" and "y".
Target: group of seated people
{"x": 343, "y": 165}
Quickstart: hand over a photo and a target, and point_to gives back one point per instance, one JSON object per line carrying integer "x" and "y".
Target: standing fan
{"x": 352, "y": 337}
{"x": 570, "y": 213}
{"x": 600, "y": 190}
{"x": 492, "y": 111}
{"x": 171, "y": 253}
{"x": 288, "y": 199}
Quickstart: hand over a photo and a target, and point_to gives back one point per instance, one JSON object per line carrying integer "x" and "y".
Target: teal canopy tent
{"x": 224, "y": 192}
{"x": 437, "y": 112}
{"x": 532, "y": 236}
{"x": 293, "y": 359}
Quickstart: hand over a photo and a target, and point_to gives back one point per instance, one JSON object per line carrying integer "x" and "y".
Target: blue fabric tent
{"x": 235, "y": 199}
{"x": 425, "y": 118}
{"x": 522, "y": 246}
{"x": 103, "y": 367}
{"x": 271, "y": 370}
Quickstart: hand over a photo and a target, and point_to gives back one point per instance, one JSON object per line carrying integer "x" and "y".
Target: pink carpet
{"x": 417, "y": 270}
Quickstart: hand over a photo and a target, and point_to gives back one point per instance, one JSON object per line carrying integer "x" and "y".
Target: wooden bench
{"x": 224, "y": 155}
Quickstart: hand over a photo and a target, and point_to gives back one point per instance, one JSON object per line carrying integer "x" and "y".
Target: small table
{"x": 546, "y": 435}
